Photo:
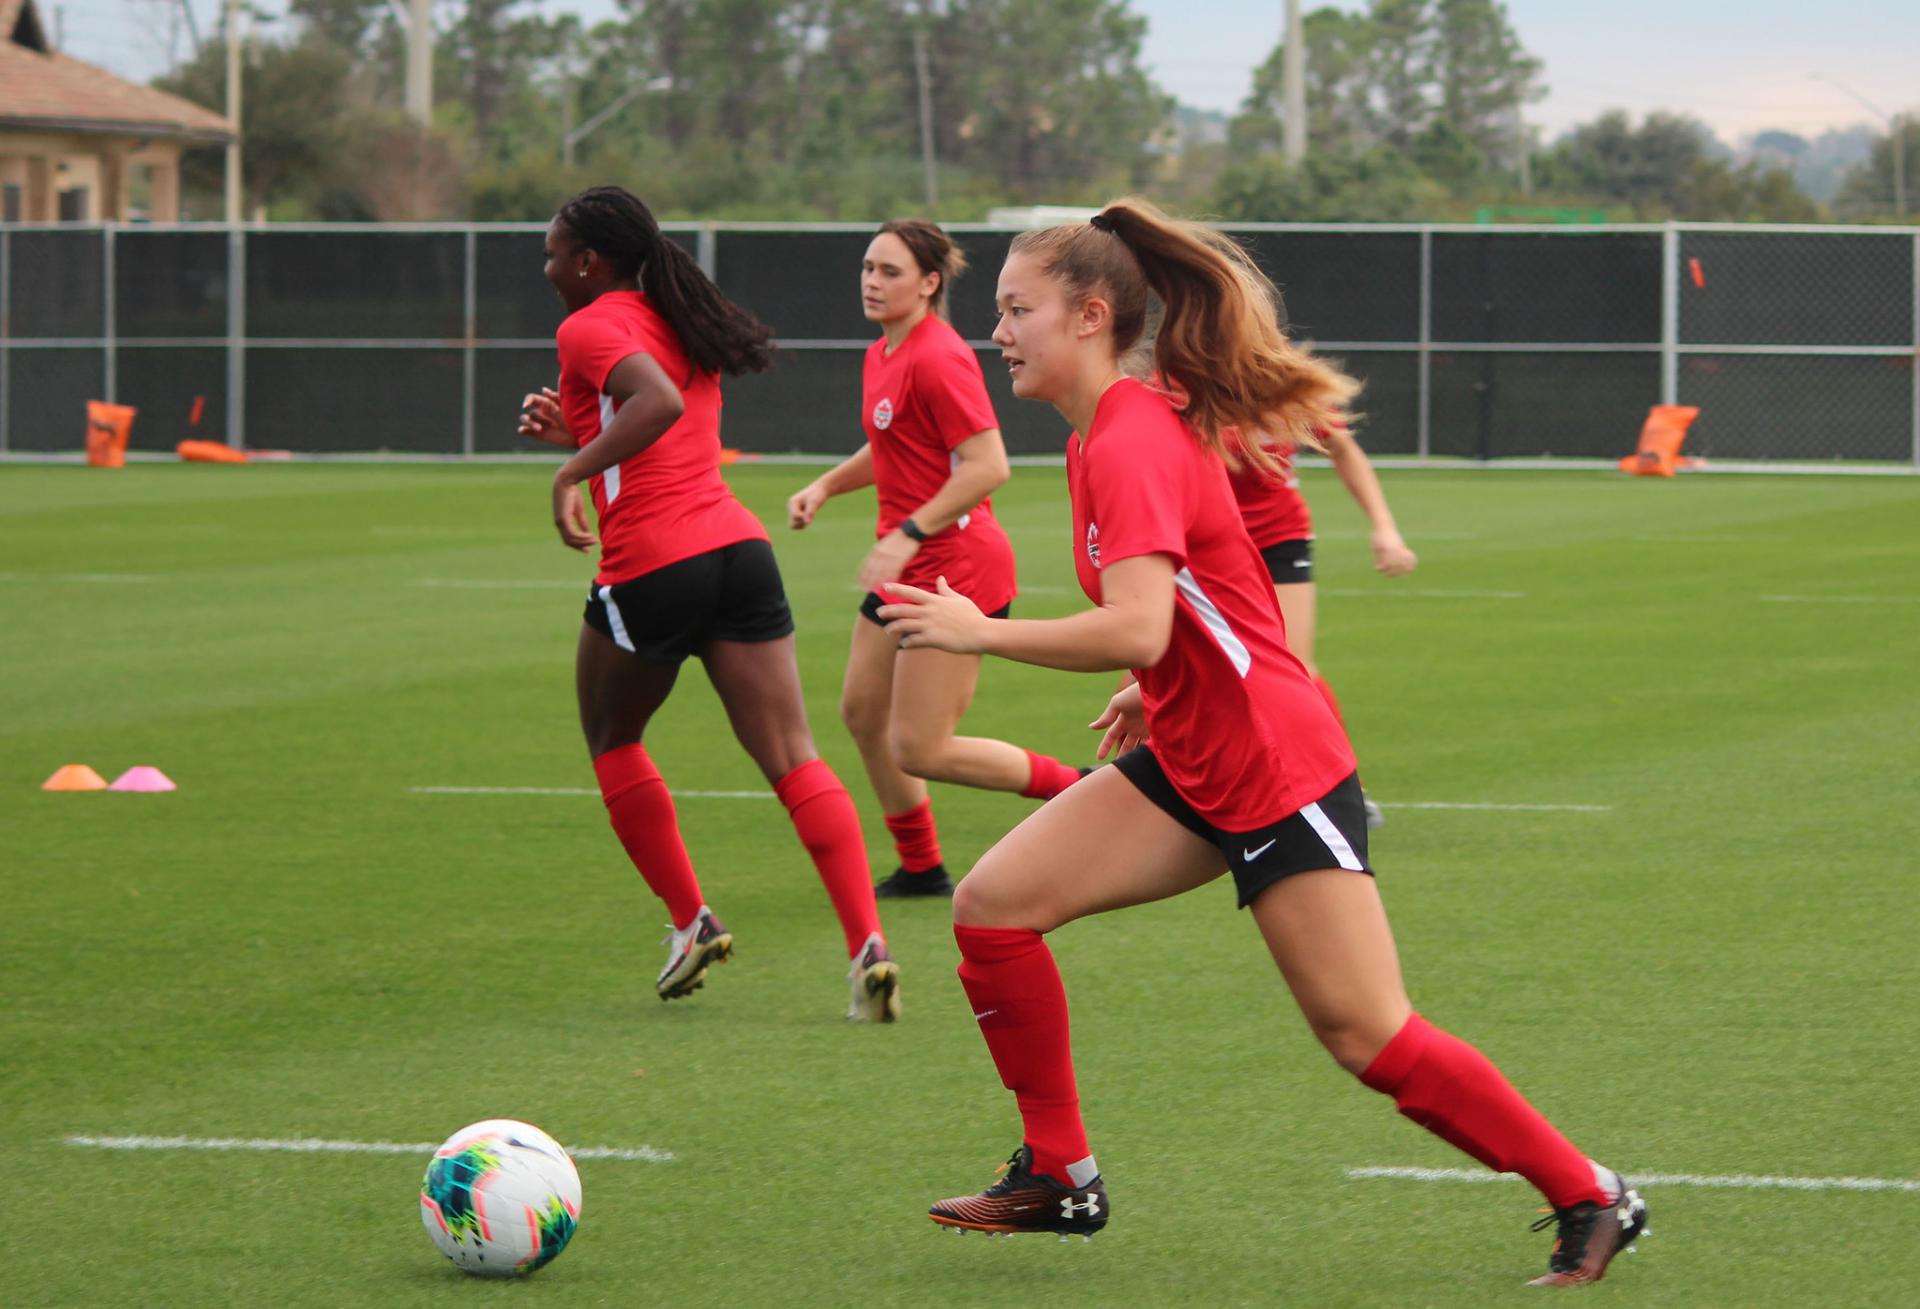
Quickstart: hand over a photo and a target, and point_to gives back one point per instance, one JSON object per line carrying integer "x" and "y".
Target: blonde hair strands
{"x": 1220, "y": 348}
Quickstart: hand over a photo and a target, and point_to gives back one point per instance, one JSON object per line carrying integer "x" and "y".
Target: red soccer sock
{"x": 1010, "y": 977}
{"x": 1333, "y": 701}
{"x": 642, "y": 815}
{"x": 824, "y": 816}
{"x": 915, "y": 838}
{"x": 1455, "y": 1092}
{"x": 1047, "y": 776}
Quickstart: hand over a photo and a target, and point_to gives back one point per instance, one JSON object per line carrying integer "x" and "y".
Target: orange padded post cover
{"x": 210, "y": 452}
{"x": 108, "y": 427}
{"x": 1660, "y": 440}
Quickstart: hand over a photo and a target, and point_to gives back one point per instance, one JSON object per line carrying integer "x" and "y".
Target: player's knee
{"x": 916, "y": 753}
{"x": 864, "y": 718}
{"x": 1354, "y": 1041}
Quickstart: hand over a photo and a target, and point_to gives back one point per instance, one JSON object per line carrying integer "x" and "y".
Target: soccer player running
{"x": 1246, "y": 768}
{"x": 933, "y": 454}
{"x": 685, "y": 569}
{"x": 1281, "y": 526}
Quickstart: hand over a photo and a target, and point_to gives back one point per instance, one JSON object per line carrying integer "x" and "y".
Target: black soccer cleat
{"x": 1590, "y": 1235}
{"x": 1026, "y": 1201}
{"x": 904, "y": 885}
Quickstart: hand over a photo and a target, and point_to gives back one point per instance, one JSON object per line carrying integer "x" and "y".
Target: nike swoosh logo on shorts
{"x": 1251, "y": 855}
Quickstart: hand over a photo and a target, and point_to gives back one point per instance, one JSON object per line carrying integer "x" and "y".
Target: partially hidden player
{"x": 1281, "y": 526}
{"x": 1246, "y": 770}
{"x": 685, "y": 569}
{"x": 934, "y": 456}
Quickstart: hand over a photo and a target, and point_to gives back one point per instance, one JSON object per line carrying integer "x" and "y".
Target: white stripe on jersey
{"x": 610, "y": 478}
{"x": 1336, "y": 843}
{"x": 614, "y": 621}
{"x": 953, "y": 465}
{"x": 1216, "y": 621}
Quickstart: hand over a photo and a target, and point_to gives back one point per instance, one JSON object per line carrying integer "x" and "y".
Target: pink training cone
{"x": 74, "y": 777}
{"x": 143, "y": 778}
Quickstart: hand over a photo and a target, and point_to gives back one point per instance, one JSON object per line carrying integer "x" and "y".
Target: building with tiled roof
{"x": 74, "y": 139}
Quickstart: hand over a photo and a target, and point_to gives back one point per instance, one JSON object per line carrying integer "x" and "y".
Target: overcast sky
{"x": 1741, "y": 65}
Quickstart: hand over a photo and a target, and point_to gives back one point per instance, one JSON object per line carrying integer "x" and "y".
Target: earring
{"x": 583, "y": 272}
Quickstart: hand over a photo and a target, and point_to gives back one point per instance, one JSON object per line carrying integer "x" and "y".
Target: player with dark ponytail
{"x": 685, "y": 569}
{"x": 1244, "y": 768}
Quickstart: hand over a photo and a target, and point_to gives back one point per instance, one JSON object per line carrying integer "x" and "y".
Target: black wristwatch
{"x": 911, "y": 530}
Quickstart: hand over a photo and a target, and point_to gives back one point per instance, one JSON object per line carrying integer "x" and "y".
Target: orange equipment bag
{"x": 108, "y": 427}
{"x": 1660, "y": 440}
{"x": 210, "y": 452}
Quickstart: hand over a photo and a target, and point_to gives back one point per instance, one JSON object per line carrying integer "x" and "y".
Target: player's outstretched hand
{"x": 570, "y": 513}
{"x": 1391, "y": 556}
{"x": 937, "y": 620}
{"x": 1125, "y": 721}
{"x": 803, "y": 504}
{"x": 540, "y": 418}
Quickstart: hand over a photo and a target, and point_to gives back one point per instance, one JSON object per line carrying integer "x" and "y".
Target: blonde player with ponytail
{"x": 1236, "y": 763}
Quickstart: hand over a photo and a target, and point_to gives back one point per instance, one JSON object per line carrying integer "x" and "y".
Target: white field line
{"x": 1407, "y": 593}
{"x": 110, "y": 579}
{"x": 1733, "y": 1182}
{"x": 303, "y": 1145}
{"x": 1519, "y": 808}
{"x": 580, "y": 790}
{"x": 1842, "y": 599}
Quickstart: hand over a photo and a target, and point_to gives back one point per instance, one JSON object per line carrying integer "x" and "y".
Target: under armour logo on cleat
{"x": 1089, "y": 1206}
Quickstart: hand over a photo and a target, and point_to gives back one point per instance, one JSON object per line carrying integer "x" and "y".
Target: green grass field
{"x": 1713, "y": 970}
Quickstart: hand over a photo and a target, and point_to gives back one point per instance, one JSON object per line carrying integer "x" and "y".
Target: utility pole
{"x": 419, "y": 61}
{"x": 233, "y": 110}
{"x": 1293, "y": 86}
{"x": 1896, "y": 138}
{"x": 926, "y": 118}
{"x": 570, "y": 136}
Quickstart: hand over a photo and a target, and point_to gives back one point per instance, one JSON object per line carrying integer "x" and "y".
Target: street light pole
{"x": 575, "y": 135}
{"x": 1896, "y": 137}
{"x": 1293, "y": 86}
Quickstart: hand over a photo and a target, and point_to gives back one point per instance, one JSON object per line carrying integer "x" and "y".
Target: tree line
{"x": 811, "y": 109}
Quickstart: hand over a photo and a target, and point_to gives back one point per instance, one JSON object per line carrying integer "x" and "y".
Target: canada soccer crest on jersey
{"x": 1093, "y": 544}
{"x": 883, "y": 413}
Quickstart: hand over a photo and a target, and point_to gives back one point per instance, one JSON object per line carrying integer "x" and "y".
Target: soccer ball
{"x": 500, "y": 1198}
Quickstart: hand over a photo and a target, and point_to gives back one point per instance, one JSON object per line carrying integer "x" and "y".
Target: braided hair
{"x": 719, "y": 336}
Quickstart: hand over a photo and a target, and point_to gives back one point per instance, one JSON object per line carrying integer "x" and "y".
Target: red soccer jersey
{"x": 1273, "y": 508}
{"x": 1235, "y": 721}
{"x": 668, "y": 502}
{"x": 916, "y": 405}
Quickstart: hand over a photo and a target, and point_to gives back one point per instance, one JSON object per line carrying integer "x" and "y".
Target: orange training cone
{"x": 74, "y": 777}
{"x": 143, "y": 778}
{"x": 209, "y": 452}
{"x": 108, "y": 429}
{"x": 1660, "y": 440}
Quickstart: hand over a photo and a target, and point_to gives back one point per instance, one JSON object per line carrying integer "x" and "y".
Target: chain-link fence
{"x": 1488, "y": 343}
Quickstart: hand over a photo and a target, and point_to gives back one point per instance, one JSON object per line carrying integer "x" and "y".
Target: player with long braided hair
{"x": 685, "y": 569}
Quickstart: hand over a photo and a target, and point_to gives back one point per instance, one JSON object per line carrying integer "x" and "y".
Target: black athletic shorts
{"x": 1329, "y": 833}
{"x": 1289, "y": 561}
{"x": 870, "y": 608}
{"x": 730, "y": 594}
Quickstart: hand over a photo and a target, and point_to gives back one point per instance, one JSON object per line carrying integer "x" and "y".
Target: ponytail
{"x": 717, "y": 334}
{"x": 1220, "y": 349}
{"x": 933, "y": 250}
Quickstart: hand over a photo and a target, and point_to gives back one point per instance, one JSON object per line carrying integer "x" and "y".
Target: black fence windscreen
{"x": 1480, "y": 343}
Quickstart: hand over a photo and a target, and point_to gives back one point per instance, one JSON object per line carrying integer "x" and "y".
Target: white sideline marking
{"x": 484, "y": 584}
{"x": 580, "y": 790}
{"x": 1735, "y": 1182}
{"x": 1402, "y": 592}
{"x": 1842, "y": 599}
{"x": 303, "y": 1145}
{"x": 1524, "y": 808}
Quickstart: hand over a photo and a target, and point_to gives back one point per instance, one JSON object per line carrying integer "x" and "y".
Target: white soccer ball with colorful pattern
{"x": 501, "y": 1198}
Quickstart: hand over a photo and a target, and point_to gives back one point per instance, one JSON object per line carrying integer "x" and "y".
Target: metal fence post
{"x": 1424, "y": 359}
{"x": 236, "y": 335}
{"x": 109, "y": 316}
{"x": 6, "y": 327}
{"x": 706, "y": 253}
{"x": 1670, "y": 315}
{"x": 468, "y": 372}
